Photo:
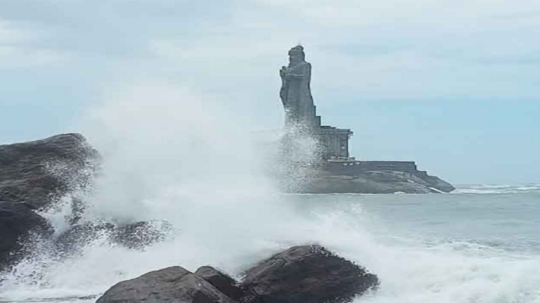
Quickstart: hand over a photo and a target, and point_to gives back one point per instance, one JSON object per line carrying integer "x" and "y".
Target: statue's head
{"x": 296, "y": 55}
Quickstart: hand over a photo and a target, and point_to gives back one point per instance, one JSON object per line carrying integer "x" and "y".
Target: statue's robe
{"x": 296, "y": 95}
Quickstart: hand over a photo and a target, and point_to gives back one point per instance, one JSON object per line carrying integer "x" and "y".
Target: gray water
{"x": 479, "y": 244}
{"x": 506, "y": 221}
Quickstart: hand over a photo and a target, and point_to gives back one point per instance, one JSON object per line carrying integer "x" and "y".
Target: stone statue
{"x": 295, "y": 90}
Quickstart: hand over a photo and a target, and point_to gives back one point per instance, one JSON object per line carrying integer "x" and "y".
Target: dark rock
{"x": 439, "y": 184}
{"x": 136, "y": 235}
{"x": 169, "y": 285}
{"x": 309, "y": 274}
{"x": 221, "y": 281}
{"x": 81, "y": 234}
{"x": 38, "y": 172}
{"x": 141, "y": 234}
{"x": 17, "y": 223}
{"x": 370, "y": 182}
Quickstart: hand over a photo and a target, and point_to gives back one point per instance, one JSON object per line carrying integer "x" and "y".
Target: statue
{"x": 295, "y": 91}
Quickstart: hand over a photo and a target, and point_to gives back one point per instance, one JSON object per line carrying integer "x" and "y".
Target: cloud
{"x": 16, "y": 57}
{"x": 382, "y": 49}
{"x": 17, "y": 49}
{"x": 370, "y": 49}
{"x": 9, "y": 34}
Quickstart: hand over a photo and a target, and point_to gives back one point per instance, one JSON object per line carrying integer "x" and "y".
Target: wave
{"x": 497, "y": 189}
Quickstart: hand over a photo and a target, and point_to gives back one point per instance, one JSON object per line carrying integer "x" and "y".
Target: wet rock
{"x": 17, "y": 223}
{"x": 169, "y": 285}
{"x": 439, "y": 184}
{"x": 80, "y": 235}
{"x": 371, "y": 182}
{"x": 142, "y": 234}
{"x": 309, "y": 274}
{"x": 38, "y": 172}
{"x": 134, "y": 236}
{"x": 221, "y": 281}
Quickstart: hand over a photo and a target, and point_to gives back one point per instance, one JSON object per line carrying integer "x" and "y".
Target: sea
{"x": 478, "y": 244}
{"x": 169, "y": 155}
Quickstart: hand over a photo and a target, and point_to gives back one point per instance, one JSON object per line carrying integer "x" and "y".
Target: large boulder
{"x": 79, "y": 235}
{"x": 136, "y": 235}
{"x": 17, "y": 223}
{"x": 141, "y": 234}
{"x": 38, "y": 172}
{"x": 221, "y": 281}
{"x": 309, "y": 274}
{"x": 170, "y": 285}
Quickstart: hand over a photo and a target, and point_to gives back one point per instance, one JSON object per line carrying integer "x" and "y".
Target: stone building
{"x": 334, "y": 142}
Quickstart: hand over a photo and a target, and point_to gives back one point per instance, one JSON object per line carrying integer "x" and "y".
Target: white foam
{"x": 497, "y": 189}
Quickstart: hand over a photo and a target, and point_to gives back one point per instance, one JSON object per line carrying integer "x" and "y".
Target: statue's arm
{"x": 299, "y": 72}
{"x": 294, "y": 76}
{"x": 283, "y": 94}
{"x": 283, "y": 90}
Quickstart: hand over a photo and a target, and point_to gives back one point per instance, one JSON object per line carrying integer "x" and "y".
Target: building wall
{"x": 334, "y": 142}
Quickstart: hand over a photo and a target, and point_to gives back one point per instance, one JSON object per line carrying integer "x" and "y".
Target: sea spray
{"x": 170, "y": 155}
{"x": 298, "y": 158}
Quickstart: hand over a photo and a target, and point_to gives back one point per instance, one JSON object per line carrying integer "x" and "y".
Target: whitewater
{"x": 170, "y": 155}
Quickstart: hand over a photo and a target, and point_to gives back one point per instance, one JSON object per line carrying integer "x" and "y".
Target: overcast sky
{"x": 452, "y": 84}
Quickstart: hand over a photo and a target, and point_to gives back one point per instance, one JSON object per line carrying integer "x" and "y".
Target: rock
{"x": 309, "y": 274}
{"x": 439, "y": 184}
{"x": 136, "y": 235}
{"x": 221, "y": 281}
{"x": 38, "y": 172}
{"x": 17, "y": 223}
{"x": 81, "y": 234}
{"x": 170, "y": 285}
{"x": 141, "y": 234}
{"x": 372, "y": 182}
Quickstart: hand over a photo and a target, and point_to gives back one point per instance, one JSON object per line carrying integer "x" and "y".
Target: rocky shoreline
{"x": 308, "y": 273}
{"x": 35, "y": 175}
{"x": 375, "y": 182}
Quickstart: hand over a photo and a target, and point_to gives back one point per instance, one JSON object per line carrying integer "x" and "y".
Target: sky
{"x": 451, "y": 84}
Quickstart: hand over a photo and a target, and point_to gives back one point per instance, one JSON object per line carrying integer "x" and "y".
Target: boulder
{"x": 134, "y": 236}
{"x": 141, "y": 234}
{"x": 170, "y": 285}
{"x": 221, "y": 281}
{"x": 81, "y": 234}
{"x": 309, "y": 274}
{"x": 17, "y": 223}
{"x": 38, "y": 172}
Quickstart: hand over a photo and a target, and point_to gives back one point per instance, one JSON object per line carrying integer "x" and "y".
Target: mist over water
{"x": 171, "y": 154}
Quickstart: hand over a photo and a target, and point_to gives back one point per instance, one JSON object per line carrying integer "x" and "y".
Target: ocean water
{"x": 461, "y": 247}
{"x": 170, "y": 155}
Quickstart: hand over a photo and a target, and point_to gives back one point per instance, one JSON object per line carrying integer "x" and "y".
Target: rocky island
{"x": 334, "y": 170}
